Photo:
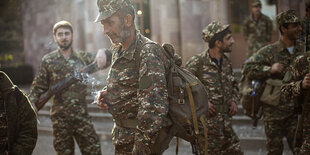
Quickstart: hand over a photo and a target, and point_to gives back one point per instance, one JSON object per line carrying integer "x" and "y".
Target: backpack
{"x": 251, "y": 91}
{"x": 188, "y": 105}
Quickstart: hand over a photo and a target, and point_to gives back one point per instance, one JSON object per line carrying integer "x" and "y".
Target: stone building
{"x": 175, "y": 21}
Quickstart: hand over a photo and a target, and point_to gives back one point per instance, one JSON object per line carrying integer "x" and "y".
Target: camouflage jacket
{"x": 53, "y": 69}
{"x": 22, "y": 120}
{"x": 257, "y": 33}
{"x": 137, "y": 88}
{"x": 220, "y": 83}
{"x": 258, "y": 67}
{"x": 298, "y": 69}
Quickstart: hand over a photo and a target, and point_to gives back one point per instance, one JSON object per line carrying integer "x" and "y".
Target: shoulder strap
{"x": 200, "y": 67}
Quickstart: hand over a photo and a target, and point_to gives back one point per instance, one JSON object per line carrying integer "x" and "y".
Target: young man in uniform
{"x": 214, "y": 70}
{"x": 271, "y": 62}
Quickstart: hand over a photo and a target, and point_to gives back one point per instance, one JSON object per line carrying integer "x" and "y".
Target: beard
{"x": 227, "y": 50}
{"x": 64, "y": 47}
{"x": 123, "y": 35}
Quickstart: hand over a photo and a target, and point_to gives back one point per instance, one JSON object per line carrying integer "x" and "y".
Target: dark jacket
{"x": 22, "y": 120}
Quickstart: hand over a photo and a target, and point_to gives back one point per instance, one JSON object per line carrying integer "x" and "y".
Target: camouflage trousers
{"x": 80, "y": 128}
{"x": 222, "y": 140}
{"x": 123, "y": 140}
{"x": 276, "y": 130}
{"x": 305, "y": 147}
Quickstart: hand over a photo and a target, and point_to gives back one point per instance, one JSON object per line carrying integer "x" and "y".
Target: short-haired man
{"x": 214, "y": 70}
{"x": 136, "y": 93}
{"x": 70, "y": 119}
{"x": 257, "y": 28}
{"x": 18, "y": 121}
{"x": 271, "y": 62}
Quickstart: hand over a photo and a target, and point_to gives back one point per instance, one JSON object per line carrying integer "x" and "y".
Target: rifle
{"x": 65, "y": 83}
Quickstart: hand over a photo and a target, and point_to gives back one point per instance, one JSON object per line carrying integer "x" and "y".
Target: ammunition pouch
{"x": 272, "y": 92}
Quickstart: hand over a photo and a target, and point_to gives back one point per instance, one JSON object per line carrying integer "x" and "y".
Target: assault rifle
{"x": 65, "y": 83}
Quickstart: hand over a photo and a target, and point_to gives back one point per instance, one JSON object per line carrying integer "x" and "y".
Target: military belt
{"x": 222, "y": 109}
{"x": 126, "y": 123}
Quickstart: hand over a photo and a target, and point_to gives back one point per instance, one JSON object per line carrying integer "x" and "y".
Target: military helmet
{"x": 213, "y": 28}
{"x": 108, "y": 7}
{"x": 288, "y": 16}
{"x": 256, "y": 2}
{"x": 62, "y": 23}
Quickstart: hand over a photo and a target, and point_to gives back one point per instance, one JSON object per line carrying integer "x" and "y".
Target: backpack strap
{"x": 200, "y": 68}
{"x": 205, "y": 132}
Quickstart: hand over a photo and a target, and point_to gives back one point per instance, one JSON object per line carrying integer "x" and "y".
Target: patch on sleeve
{"x": 145, "y": 82}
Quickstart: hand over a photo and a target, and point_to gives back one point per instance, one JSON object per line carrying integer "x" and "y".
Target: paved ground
{"x": 45, "y": 146}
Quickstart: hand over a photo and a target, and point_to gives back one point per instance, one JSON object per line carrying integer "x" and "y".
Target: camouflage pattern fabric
{"x": 288, "y": 16}
{"x": 213, "y": 28}
{"x": 221, "y": 85}
{"x": 258, "y": 67}
{"x": 68, "y": 106}
{"x": 256, "y": 2}
{"x": 292, "y": 89}
{"x": 276, "y": 130}
{"x": 108, "y": 7}
{"x": 137, "y": 90}
{"x": 21, "y": 118}
{"x": 257, "y": 33}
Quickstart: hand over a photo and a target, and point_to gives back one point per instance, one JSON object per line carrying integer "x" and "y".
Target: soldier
{"x": 18, "y": 121}
{"x": 297, "y": 87}
{"x": 69, "y": 115}
{"x": 214, "y": 69}
{"x": 136, "y": 93}
{"x": 271, "y": 62}
{"x": 257, "y": 28}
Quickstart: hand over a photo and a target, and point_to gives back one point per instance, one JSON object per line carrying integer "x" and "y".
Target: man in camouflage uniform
{"x": 296, "y": 87}
{"x": 136, "y": 93}
{"x": 18, "y": 121}
{"x": 272, "y": 62}
{"x": 257, "y": 28}
{"x": 69, "y": 114}
{"x": 214, "y": 69}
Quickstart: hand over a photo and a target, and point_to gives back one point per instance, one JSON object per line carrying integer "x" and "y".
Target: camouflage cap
{"x": 288, "y": 16}
{"x": 256, "y": 2}
{"x": 108, "y": 7}
{"x": 213, "y": 28}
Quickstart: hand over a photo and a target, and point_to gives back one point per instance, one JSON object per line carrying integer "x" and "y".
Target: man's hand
{"x": 102, "y": 99}
{"x": 306, "y": 82}
{"x": 277, "y": 68}
{"x": 212, "y": 109}
{"x": 233, "y": 109}
{"x": 101, "y": 58}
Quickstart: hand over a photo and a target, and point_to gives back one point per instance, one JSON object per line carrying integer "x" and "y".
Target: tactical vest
{"x": 3, "y": 126}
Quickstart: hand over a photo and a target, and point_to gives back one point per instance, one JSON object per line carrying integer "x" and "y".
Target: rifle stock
{"x": 63, "y": 84}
